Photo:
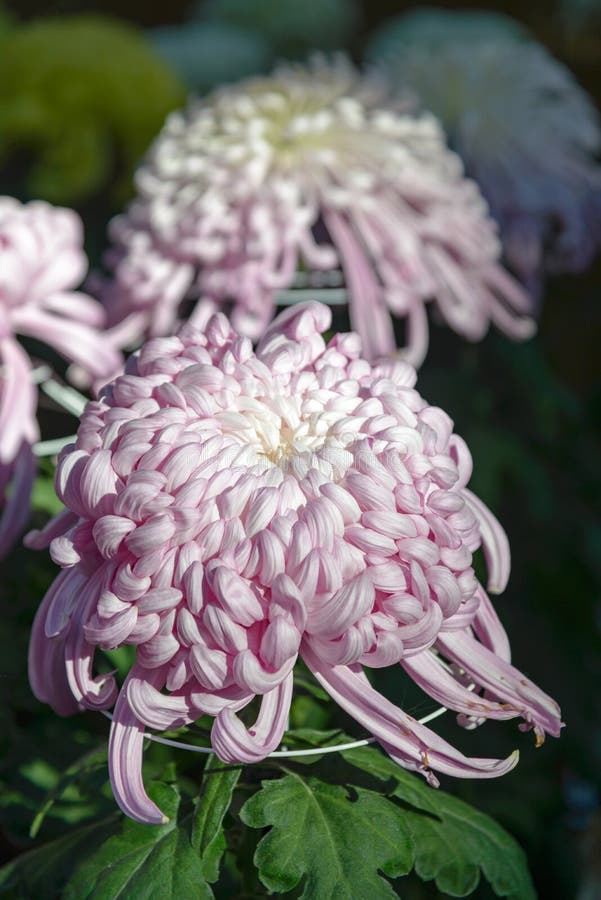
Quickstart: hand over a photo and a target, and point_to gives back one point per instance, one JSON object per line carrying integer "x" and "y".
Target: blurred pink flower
{"x": 41, "y": 260}
{"x": 228, "y": 511}
{"x": 314, "y": 166}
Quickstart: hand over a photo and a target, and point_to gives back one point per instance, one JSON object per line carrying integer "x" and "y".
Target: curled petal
{"x": 211, "y": 703}
{"x": 209, "y": 667}
{"x": 76, "y": 342}
{"x": 157, "y": 710}
{"x": 93, "y": 692}
{"x": 343, "y": 651}
{"x": 63, "y": 551}
{"x": 280, "y": 642}
{"x": 109, "y": 531}
{"x": 233, "y": 742}
{"x": 296, "y": 328}
{"x": 250, "y": 674}
{"x": 369, "y": 315}
{"x": 234, "y": 595}
{"x": 417, "y": 333}
{"x": 17, "y": 400}
{"x": 126, "y": 743}
{"x": 419, "y": 635}
{"x": 112, "y": 632}
{"x": 64, "y": 595}
{"x": 46, "y": 665}
{"x": 489, "y": 629}
{"x": 388, "y": 650}
{"x": 428, "y": 672}
{"x": 331, "y": 617}
{"x": 15, "y": 514}
{"x": 38, "y": 539}
{"x": 502, "y": 681}
{"x": 286, "y": 600}
{"x": 494, "y": 543}
{"x": 413, "y": 745}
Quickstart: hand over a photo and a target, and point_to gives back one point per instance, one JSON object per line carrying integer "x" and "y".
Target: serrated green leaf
{"x": 42, "y": 873}
{"x": 144, "y": 861}
{"x": 337, "y": 843}
{"x": 216, "y": 792}
{"x": 453, "y": 841}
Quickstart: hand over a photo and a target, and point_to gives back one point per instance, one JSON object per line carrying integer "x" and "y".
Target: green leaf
{"x": 453, "y": 841}
{"x": 43, "y": 496}
{"x": 144, "y": 861}
{"x": 42, "y": 873}
{"x": 338, "y": 843}
{"x": 216, "y": 792}
{"x": 91, "y": 762}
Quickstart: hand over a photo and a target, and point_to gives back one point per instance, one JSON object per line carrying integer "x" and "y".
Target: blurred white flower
{"x": 313, "y": 166}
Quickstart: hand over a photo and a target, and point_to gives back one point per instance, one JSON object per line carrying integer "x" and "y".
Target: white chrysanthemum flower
{"x": 311, "y": 167}
{"x": 526, "y": 131}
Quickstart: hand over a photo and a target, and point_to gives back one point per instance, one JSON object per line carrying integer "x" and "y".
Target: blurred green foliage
{"x": 6, "y": 22}
{"x": 293, "y": 29}
{"x": 207, "y": 54}
{"x": 81, "y": 97}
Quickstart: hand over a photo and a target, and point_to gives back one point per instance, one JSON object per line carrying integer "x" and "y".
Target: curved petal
{"x": 93, "y": 692}
{"x": 488, "y": 627}
{"x": 207, "y": 703}
{"x": 126, "y": 744}
{"x": 65, "y": 592}
{"x": 503, "y": 681}
{"x": 39, "y": 539}
{"x": 77, "y": 342}
{"x": 369, "y": 316}
{"x": 77, "y": 306}
{"x": 511, "y": 298}
{"x": 494, "y": 543}
{"x": 154, "y": 709}
{"x": 417, "y": 334}
{"x": 410, "y": 744}
{"x": 432, "y": 677}
{"x": 252, "y": 675}
{"x": 46, "y": 665}
{"x": 17, "y": 507}
{"x": 17, "y": 400}
{"x": 233, "y": 742}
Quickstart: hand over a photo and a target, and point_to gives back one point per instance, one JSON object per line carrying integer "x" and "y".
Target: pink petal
{"x": 412, "y": 745}
{"x": 126, "y": 743}
{"x": 233, "y": 743}
{"x": 494, "y": 543}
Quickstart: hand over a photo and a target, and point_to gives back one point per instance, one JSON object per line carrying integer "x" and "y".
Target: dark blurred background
{"x": 531, "y": 415}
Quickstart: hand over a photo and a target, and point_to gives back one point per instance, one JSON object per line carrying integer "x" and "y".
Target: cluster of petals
{"x": 228, "y": 511}
{"x": 41, "y": 261}
{"x": 527, "y": 133}
{"x": 315, "y": 167}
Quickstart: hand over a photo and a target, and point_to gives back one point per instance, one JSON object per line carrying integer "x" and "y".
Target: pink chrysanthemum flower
{"x": 315, "y": 167}
{"x": 228, "y": 511}
{"x": 41, "y": 261}
{"x": 526, "y": 131}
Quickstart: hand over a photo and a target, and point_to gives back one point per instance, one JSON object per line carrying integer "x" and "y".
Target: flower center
{"x": 280, "y": 429}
